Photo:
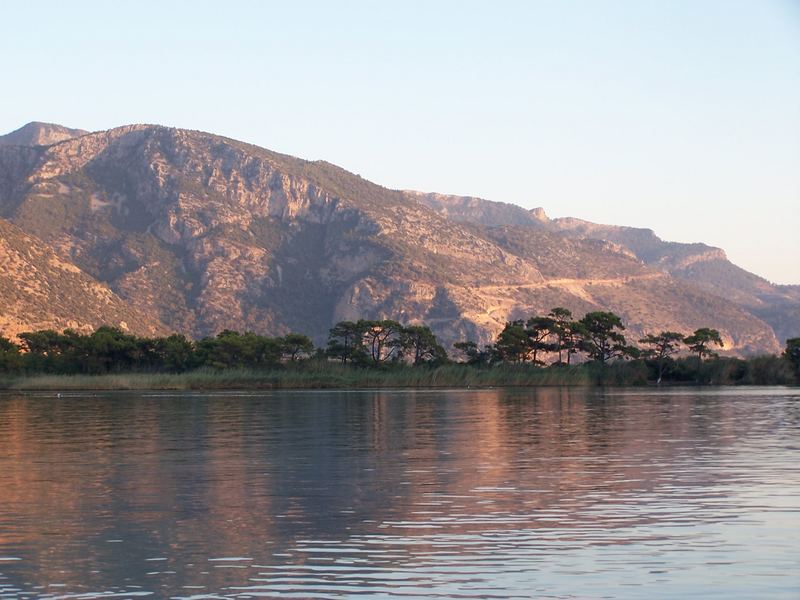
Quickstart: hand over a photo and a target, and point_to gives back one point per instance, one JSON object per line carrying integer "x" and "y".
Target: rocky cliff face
{"x": 206, "y": 233}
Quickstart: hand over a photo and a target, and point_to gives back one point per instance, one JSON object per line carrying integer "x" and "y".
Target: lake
{"x": 545, "y": 493}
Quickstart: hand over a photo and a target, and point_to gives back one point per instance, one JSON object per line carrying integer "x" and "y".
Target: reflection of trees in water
{"x": 196, "y": 477}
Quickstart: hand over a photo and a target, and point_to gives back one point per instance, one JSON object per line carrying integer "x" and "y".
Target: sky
{"x": 682, "y": 116}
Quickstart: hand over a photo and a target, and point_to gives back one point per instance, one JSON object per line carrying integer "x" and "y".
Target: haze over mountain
{"x": 197, "y": 233}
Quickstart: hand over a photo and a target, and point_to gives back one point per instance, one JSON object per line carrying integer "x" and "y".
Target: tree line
{"x": 553, "y": 340}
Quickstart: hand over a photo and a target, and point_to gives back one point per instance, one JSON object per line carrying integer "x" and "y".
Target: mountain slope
{"x": 40, "y": 290}
{"x": 703, "y": 266}
{"x": 206, "y": 233}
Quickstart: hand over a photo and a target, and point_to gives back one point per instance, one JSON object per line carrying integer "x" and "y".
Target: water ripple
{"x": 550, "y": 493}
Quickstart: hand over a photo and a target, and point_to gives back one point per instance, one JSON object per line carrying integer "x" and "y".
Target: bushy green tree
{"x": 701, "y": 340}
{"x": 513, "y": 344}
{"x": 420, "y": 343}
{"x": 230, "y": 349}
{"x": 539, "y": 330}
{"x": 661, "y": 347}
{"x": 601, "y": 336}
{"x": 768, "y": 370}
{"x": 345, "y": 341}
{"x": 381, "y": 339}
{"x": 109, "y": 349}
{"x": 10, "y": 357}
{"x": 472, "y": 354}
{"x": 42, "y": 344}
{"x": 295, "y": 346}
{"x": 792, "y": 354}
{"x": 175, "y": 353}
{"x": 564, "y": 331}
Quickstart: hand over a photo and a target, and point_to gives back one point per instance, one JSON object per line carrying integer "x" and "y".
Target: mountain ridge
{"x": 703, "y": 265}
{"x": 206, "y": 233}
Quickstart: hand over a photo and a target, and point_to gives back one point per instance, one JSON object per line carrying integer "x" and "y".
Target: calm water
{"x": 549, "y": 493}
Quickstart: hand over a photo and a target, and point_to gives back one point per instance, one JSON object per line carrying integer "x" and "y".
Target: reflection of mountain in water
{"x": 413, "y": 481}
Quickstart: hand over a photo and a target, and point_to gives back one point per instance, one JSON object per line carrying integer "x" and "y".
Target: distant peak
{"x": 37, "y": 133}
{"x": 539, "y": 214}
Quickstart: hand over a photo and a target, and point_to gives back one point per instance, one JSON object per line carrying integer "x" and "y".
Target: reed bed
{"x": 320, "y": 376}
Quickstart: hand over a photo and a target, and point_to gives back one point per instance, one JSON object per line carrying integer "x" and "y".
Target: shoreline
{"x": 290, "y": 380}
{"x": 329, "y": 376}
{"x": 335, "y": 376}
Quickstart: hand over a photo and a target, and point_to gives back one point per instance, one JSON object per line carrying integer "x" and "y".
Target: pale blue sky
{"x": 682, "y": 116}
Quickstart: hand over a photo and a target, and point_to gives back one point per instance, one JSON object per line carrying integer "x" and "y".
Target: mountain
{"x": 705, "y": 267}
{"x": 203, "y": 233}
{"x": 40, "y": 134}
